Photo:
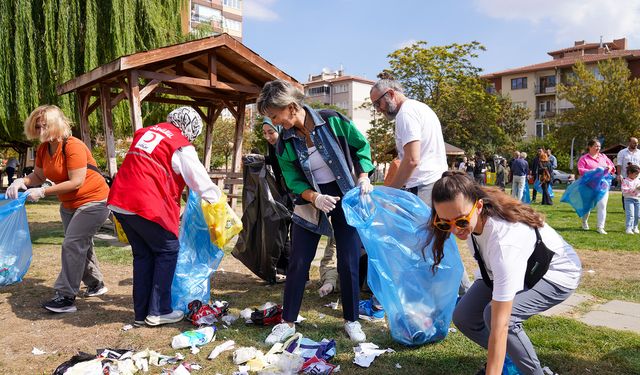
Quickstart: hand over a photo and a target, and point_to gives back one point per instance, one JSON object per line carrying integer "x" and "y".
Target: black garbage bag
{"x": 265, "y": 220}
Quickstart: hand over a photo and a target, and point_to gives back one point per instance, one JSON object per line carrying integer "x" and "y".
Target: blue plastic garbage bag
{"x": 526, "y": 196}
{"x": 586, "y": 192}
{"x": 538, "y": 186}
{"x": 15, "y": 240}
{"x": 197, "y": 260}
{"x": 393, "y": 228}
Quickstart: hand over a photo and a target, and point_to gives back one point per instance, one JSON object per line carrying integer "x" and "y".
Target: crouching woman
{"x": 525, "y": 267}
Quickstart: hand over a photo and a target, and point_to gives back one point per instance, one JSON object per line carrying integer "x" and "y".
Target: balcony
{"x": 545, "y": 90}
{"x": 545, "y": 114}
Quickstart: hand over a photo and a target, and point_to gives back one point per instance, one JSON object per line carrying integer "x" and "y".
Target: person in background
{"x": 11, "y": 168}
{"x": 463, "y": 164}
{"x": 591, "y": 160}
{"x": 535, "y": 172}
{"x": 82, "y": 192}
{"x": 328, "y": 269}
{"x": 480, "y": 169}
{"x": 519, "y": 171}
{"x": 471, "y": 164}
{"x": 501, "y": 173}
{"x": 503, "y": 234}
{"x": 627, "y": 155}
{"x": 318, "y": 152}
{"x": 159, "y": 164}
{"x": 631, "y": 195}
{"x": 544, "y": 175}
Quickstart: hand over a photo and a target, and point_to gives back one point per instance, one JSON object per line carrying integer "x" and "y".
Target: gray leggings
{"x": 472, "y": 316}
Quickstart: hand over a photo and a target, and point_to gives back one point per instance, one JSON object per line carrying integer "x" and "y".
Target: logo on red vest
{"x": 149, "y": 141}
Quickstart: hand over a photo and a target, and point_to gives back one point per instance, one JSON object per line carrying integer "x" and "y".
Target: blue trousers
{"x": 155, "y": 254}
{"x": 303, "y": 249}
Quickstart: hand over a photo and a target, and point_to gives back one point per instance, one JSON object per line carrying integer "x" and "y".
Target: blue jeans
{"x": 632, "y": 211}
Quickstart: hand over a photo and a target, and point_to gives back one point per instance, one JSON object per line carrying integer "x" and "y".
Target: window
{"x": 337, "y": 89}
{"x": 520, "y": 104}
{"x": 539, "y": 129}
{"x": 231, "y": 3}
{"x": 231, "y": 24}
{"x": 201, "y": 13}
{"x": 320, "y": 90}
{"x": 519, "y": 83}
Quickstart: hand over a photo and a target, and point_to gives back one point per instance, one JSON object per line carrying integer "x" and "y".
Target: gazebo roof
{"x": 185, "y": 67}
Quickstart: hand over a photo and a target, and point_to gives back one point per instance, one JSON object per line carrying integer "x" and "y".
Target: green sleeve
{"x": 358, "y": 144}
{"x": 293, "y": 176}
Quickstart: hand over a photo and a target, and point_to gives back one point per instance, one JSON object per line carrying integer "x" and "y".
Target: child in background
{"x": 631, "y": 197}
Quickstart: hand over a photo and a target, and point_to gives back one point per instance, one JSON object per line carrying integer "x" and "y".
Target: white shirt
{"x": 12, "y": 163}
{"x": 462, "y": 167}
{"x": 625, "y": 156}
{"x": 415, "y": 121}
{"x": 505, "y": 248}
{"x": 185, "y": 162}
{"x": 321, "y": 172}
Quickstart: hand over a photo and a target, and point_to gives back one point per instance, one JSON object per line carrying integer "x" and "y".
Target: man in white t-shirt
{"x": 419, "y": 143}
{"x": 631, "y": 154}
{"x": 419, "y": 140}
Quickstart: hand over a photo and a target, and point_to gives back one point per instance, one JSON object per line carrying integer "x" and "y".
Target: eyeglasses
{"x": 376, "y": 103}
{"x": 461, "y": 222}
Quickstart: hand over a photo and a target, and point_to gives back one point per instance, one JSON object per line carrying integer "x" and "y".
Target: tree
{"x": 444, "y": 78}
{"x": 44, "y": 43}
{"x": 222, "y": 141}
{"x": 606, "y": 105}
{"x": 319, "y": 105}
{"x": 380, "y": 136}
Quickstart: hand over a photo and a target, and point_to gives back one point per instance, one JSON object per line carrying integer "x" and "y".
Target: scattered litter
{"x": 127, "y": 327}
{"x": 307, "y": 348}
{"x": 197, "y": 337}
{"x": 230, "y": 319}
{"x": 245, "y": 354}
{"x": 319, "y": 366}
{"x": 181, "y": 370}
{"x": 333, "y": 305}
{"x": 321, "y": 316}
{"x": 195, "y": 350}
{"x": 37, "y": 351}
{"x": 452, "y": 330}
{"x": 267, "y": 305}
{"x": 398, "y": 365}
{"x": 300, "y": 319}
{"x": 196, "y": 366}
{"x": 246, "y": 315}
{"x": 366, "y": 352}
{"x": 270, "y": 316}
{"x": 591, "y": 271}
{"x": 203, "y": 314}
{"x": 242, "y": 370}
{"x": 548, "y": 371}
{"x": 227, "y": 345}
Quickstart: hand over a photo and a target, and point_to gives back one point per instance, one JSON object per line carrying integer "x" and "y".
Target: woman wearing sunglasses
{"x": 526, "y": 267}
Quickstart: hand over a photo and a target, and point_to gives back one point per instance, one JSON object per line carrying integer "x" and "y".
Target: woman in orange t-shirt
{"x": 82, "y": 192}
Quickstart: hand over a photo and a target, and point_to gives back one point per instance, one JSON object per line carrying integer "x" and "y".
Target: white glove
{"x": 35, "y": 194}
{"x": 14, "y": 188}
{"x": 365, "y": 185}
{"x": 325, "y": 203}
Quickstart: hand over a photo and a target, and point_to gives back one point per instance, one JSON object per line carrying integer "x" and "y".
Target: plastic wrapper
{"x": 197, "y": 260}
{"x": 122, "y": 236}
{"x": 538, "y": 187}
{"x": 15, "y": 240}
{"x": 393, "y": 228}
{"x": 265, "y": 220}
{"x": 586, "y": 192}
{"x": 222, "y": 220}
{"x": 196, "y": 337}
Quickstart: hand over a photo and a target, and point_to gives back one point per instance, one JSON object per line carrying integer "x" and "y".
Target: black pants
{"x": 303, "y": 249}
{"x": 10, "y": 172}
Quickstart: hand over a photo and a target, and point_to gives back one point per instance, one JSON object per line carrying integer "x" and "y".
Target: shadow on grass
{"x": 26, "y": 299}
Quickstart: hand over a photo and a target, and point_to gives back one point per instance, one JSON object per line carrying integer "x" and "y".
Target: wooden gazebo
{"x": 208, "y": 74}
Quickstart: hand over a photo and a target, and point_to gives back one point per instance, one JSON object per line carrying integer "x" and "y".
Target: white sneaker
{"x": 585, "y": 225}
{"x": 280, "y": 333}
{"x": 172, "y": 317}
{"x": 354, "y": 330}
{"x": 635, "y": 230}
{"x": 629, "y": 231}
{"x": 601, "y": 231}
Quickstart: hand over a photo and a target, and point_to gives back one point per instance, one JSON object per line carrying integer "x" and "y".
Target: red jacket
{"x": 146, "y": 183}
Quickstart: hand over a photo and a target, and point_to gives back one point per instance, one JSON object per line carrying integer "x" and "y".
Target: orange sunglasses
{"x": 461, "y": 222}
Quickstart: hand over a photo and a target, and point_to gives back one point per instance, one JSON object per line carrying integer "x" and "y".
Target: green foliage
{"x": 259, "y": 142}
{"x": 319, "y": 105}
{"x": 44, "y": 43}
{"x": 445, "y": 78}
{"x": 606, "y": 106}
{"x": 222, "y": 145}
{"x": 381, "y": 136}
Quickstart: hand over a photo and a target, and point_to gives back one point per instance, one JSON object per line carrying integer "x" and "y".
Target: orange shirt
{"x": 55, "y": 168}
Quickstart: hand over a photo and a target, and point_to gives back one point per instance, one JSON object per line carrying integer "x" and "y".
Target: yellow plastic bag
{"x": 122, "y": 236}
{"x": 222, "y": 221}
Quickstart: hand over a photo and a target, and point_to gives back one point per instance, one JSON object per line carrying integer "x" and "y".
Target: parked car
{"x": 561, "y": 177}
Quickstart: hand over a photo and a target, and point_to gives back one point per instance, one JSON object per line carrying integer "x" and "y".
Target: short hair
{"x": 58, "y": 125}
{"x": 386, "y": 84}
{"x": 278, "y": 94}
{"x": 523, "y": 155}
{"x": 632, "y": 168}
{"x": 592, "y": 142}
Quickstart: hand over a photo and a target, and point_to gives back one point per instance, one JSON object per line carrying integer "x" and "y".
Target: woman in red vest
{"x": 145, "y": 198}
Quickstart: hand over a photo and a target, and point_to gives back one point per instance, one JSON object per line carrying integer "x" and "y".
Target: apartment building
{"x": 534, "y": 86}
{"x": 220, "y": 16}
{"x": 346, "y": 92}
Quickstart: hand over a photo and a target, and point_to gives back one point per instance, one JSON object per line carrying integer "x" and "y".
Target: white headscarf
{"x": 187, "y": 120}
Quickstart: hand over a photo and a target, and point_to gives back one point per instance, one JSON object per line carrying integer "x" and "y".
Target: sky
{"x": 302, "y": 37}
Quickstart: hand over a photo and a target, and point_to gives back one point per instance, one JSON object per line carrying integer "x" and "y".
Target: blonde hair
{"x": 58, "y": 125}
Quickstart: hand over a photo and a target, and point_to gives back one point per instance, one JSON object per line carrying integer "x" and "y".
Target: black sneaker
{"x": 61, "y": 304}
{"x": 96, "y": 291}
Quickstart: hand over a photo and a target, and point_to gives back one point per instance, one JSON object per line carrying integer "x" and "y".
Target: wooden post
{"x": 212, "y": 115}
{"x": 237, "y": 144}
{"x": 107, "y": 121}
{"x": 213, "y": 69}
{"x": 83, "y": 110}
{"x": 134, "y": 100}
